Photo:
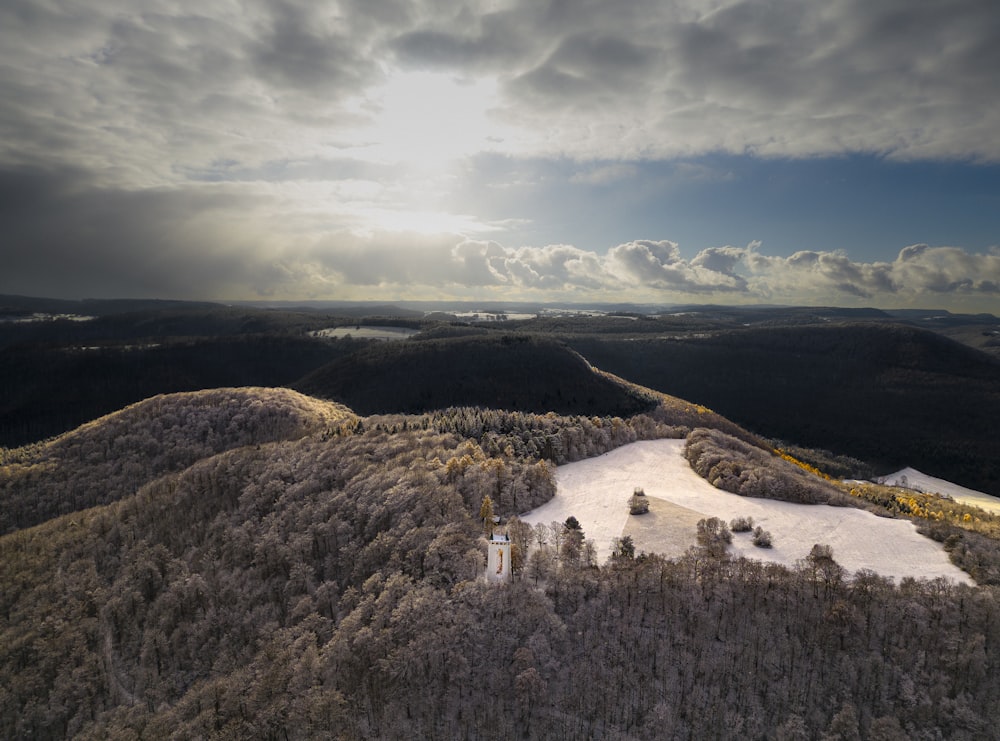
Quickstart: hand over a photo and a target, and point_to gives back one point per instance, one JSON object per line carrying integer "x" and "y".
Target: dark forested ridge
{"x": 506, "y": 371}
{"x": 328, "y": 585}
{"x": 885, "y": 393}
{"x": 60, "y": 373}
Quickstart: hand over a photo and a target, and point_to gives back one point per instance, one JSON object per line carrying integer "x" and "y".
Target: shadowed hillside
{"x": 887, "y": 394}
{"x": 513, "y": 372}
{"x": 46, "y": 390}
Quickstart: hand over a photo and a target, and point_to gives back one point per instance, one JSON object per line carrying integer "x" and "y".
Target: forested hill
{"x": 110, "y": 458}
{"x": 513, "y": 372}
{"x": 328, "y": 585}
{"x": 888, "y": 394}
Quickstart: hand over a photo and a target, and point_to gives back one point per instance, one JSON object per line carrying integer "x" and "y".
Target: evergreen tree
{"x": 486, "y": 515}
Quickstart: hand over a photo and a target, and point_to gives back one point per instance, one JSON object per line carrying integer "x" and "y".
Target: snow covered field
{"x": 366, "y": 333}
{"x": 596, "y": 492}
{"x": 911, "y": 478}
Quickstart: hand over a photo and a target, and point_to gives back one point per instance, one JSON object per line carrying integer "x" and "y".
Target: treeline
{"x": 735, "y": 466}
{"x": 565, "y": 438}
{"x": 830, "y": 464}
{"x": 552, "y": 437}
{"x": 110, "y": 458}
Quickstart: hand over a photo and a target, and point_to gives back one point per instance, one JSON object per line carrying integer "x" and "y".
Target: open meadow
{"x": 596, "y": 492}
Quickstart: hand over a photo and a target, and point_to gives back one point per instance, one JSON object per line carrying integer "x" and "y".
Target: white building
{"x": 498, "y": 562}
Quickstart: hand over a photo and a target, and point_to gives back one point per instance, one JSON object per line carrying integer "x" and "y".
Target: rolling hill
{"x": 112, "y": 457}
{"x": 512, "y": 372}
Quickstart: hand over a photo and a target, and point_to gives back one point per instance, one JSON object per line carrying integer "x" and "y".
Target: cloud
{"x": 919, "y": 272}
{"x": 658, "y": 265}
{"x": 945, "y": 270}
{"x": 604, "y": 174}
{"x": 143, "y": 96}
{"x": 778, "y": 77}
{"x": 473, "y": 42}
{"x": 656, "y": 271}
{"x": 233, "y": 241}
{"x": 301, "y": 47}
{"x": 64, "y": 236}
{"x": 217, "y": 149}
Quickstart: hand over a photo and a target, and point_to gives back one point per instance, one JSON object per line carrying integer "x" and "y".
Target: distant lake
{"x": 367, "y": 333}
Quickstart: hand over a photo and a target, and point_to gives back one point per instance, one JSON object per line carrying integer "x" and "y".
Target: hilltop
{"x": 512, "y": 372}
{"x": 112, "y": 457}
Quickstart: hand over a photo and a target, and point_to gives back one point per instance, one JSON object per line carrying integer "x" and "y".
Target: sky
{"x": 650, "y": 151}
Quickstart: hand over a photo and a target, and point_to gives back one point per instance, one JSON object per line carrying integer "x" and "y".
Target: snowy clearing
{"x": 911, "y": 478}
{"x": 596, "y": 492}
{"x": 364, "y": 332}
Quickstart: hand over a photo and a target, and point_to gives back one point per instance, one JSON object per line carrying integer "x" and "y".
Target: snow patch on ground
{"x": 911, "y": 478}
{"x": 596, "y": 492}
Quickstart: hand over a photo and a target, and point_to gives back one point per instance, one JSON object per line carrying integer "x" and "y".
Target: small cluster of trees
{"x": 553, "y": 548}
{"x": 713, "y": 535}
{"x": 736, "y": 466}
{"x": 638, "y": 503}
{"x": 760, "y": 537}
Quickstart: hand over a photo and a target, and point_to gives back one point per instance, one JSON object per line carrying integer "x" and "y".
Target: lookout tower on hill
{"x": 498, "y": 561}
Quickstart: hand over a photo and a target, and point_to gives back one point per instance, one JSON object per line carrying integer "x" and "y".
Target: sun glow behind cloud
{"x": 422, "y": 126}
{"x": 427, "y": 121}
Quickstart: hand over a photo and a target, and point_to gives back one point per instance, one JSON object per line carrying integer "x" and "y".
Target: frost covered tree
{"x": 638, "y": 504}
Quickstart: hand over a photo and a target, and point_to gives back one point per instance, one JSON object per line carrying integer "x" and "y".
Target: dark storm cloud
{"x": 63, "y": 236}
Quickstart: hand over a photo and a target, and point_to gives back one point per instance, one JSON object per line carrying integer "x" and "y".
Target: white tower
{"x": 498, "y": 562}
